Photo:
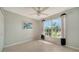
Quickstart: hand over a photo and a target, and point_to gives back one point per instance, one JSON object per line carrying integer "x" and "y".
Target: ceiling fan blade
{"x": 33, "y": 14}
{"x": 44, "y": 14}
{"x": 39, "y": 9}
{"x": 34, "y": 8}
{"x": 45, "y": 8}
{"x": 39, "y": 14}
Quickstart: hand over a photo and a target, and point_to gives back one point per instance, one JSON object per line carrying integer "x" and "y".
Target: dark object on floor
{"x": 63, "y": 41}
{"x": 42, "y": 37}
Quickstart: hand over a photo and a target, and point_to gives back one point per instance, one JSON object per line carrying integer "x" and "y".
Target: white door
{"x": 1, "y": 30}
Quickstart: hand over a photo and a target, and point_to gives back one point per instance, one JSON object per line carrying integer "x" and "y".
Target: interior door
{"x": 1, "y": 30}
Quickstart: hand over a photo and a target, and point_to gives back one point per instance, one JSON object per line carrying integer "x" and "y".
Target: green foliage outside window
{"x": 54, "y": 30}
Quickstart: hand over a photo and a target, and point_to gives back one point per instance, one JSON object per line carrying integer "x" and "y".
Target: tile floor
{"x": 38, "y": 46}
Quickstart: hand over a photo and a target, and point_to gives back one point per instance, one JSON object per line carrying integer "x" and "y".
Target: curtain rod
{"x": 63, "y": 14}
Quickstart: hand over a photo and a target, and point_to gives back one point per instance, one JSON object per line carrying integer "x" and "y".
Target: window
{"x": 53, "y": 27}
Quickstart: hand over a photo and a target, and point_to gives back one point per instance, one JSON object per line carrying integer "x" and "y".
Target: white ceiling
{"x": 31, "y": 13}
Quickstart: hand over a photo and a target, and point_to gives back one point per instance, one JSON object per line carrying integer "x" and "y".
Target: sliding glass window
{"x": 52, "y": 27}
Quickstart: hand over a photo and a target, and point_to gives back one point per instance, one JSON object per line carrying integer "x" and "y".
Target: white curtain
{"x": 63, "y": 30}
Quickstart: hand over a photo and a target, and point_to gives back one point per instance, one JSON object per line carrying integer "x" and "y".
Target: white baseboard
{"x": 20, "y": 42}
{"x": 72, "y": 47}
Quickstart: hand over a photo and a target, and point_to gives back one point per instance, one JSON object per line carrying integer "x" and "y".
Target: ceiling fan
{"x": 39, "y": 10}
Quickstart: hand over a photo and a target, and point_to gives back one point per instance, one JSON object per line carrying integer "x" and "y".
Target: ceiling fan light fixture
{"x": 39, "y": 10}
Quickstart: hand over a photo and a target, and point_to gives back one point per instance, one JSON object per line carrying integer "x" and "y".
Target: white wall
{"x": 14, "y": 31}
{"x": 38, "y": 30}
{"x": 73, "y": 28}
{"x": 1, "y": 30}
